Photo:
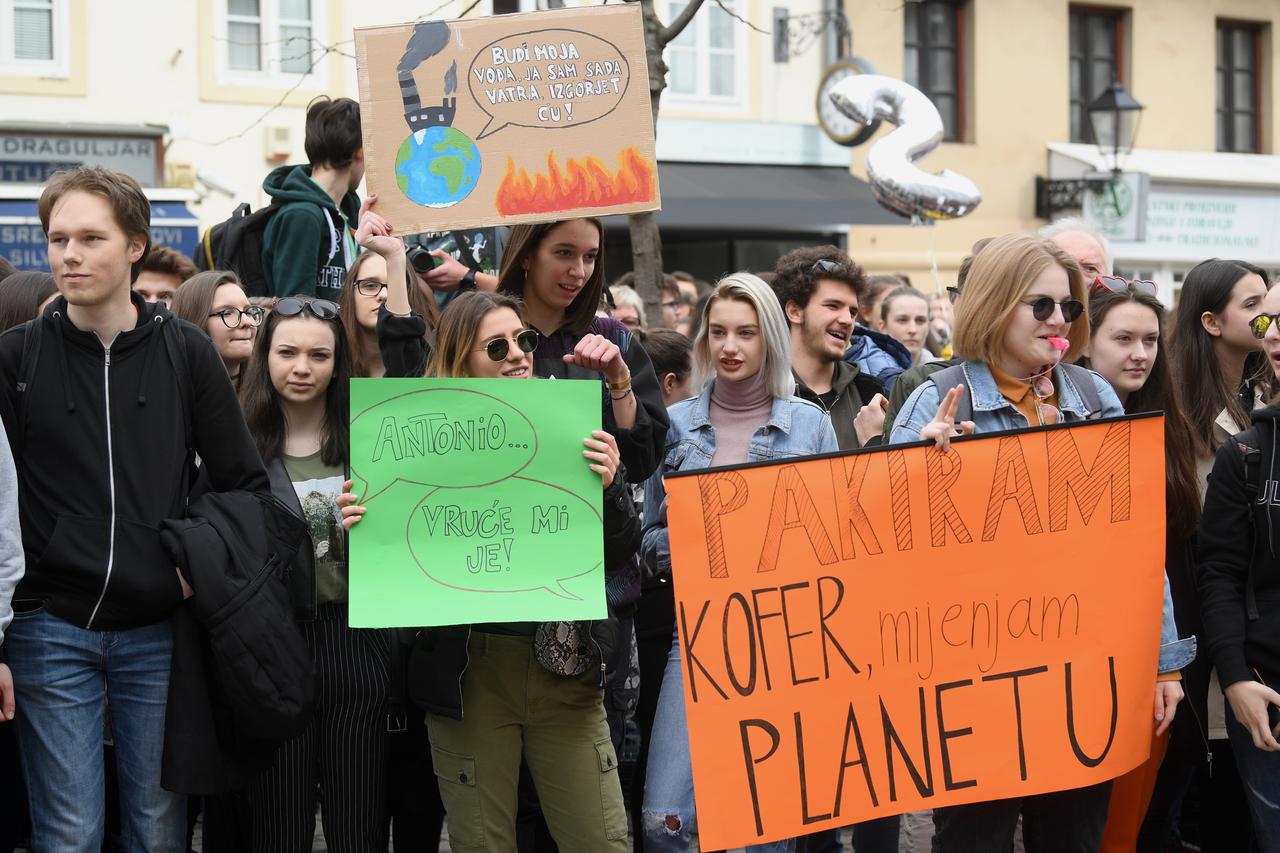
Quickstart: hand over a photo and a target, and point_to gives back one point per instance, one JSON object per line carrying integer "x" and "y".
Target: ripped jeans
{"x": 1260, "y": 772}
{"x": 669, "y": 816}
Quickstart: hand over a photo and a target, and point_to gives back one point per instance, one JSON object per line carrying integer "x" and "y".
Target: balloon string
{"x": 933, "y": 261}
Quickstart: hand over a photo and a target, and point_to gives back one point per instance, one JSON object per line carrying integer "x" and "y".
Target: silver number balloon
{"x": 899, "y": 184}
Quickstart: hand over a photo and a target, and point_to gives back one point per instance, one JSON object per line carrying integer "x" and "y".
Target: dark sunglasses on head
{"x": 370, "y": 286}
{"x": 292, "y": 306}
{"x": 1260, "y": 324}
{"x": 953, "y": 293}
{"x": 1042, "y": 308}
{"x": 498, "y": 348}
{"x": 1116, "y": 284}
{"x": 826, "y": 265}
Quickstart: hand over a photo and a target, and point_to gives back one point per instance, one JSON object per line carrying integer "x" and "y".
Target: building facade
{"x": 1015, "y": 76}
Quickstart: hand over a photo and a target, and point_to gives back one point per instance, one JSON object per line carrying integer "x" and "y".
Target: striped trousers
{"x": 342, "y": 751}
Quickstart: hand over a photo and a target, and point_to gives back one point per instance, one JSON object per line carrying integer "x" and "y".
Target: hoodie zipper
{"x": 111, "y": 481}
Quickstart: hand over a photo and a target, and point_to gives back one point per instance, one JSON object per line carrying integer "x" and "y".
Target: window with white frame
{"x": 33, "y": 37}
{"x": 270, "y": 41}
{"x": 705, "y": 61}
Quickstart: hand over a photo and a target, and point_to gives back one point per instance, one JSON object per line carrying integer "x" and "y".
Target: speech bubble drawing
{"x": 463, "y": 539}
{"x": 454, "y": 437}
{"x": 550, "y": 78}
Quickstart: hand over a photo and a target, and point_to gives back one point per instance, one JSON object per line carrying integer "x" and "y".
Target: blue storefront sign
{"x": 22, "y": 241}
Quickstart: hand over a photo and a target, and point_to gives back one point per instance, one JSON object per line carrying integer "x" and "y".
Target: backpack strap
{"x": 1249, "y": 443}
{"x": 31, "y": 336}
{"x": 950, "y": 377}
{"x": 1082, "y": 379}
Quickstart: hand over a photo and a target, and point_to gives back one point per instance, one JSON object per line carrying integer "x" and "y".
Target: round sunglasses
{"x": 498, "y": 348}
{"x": 1116, "y": 284}
{"x": 1260, "y": 324}
{"x": 1042, "y": 308}
{"x": 292, "y": 306}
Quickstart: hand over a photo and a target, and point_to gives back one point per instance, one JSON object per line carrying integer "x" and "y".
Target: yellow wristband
{"x": 619, "y": 386}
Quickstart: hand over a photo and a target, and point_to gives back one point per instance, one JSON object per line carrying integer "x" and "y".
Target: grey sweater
{"x": 12, "y": 562}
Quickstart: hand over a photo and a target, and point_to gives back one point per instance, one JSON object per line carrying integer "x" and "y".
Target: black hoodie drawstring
{"x": 156, "y": 334}
{"x": 67, "y": 396}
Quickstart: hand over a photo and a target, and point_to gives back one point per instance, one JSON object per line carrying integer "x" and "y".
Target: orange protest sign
{"x": 895, "y": 629}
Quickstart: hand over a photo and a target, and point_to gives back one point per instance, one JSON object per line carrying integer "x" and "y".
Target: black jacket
{"x": 439, "y": 659}
{"x": 105, "y": 458}
{"x": 300, "y": 573}
{"x": 242, "y": 679}
{"x": 1238, "y": 550}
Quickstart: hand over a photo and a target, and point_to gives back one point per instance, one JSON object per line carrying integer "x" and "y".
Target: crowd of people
{"x": 156, "y": 415}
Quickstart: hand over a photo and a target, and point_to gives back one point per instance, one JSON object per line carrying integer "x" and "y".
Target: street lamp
{"x": 1113, "y": 119}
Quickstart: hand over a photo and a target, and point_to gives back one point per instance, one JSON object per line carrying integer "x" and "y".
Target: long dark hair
{"x": 263, "y": 410}
{"x": 419, "y": 302}
{"x": 1182, "y": 491}
{"x": 20, "y": 296}
{"x": 1196, "y": 370}
{"x": 522, "y": 244}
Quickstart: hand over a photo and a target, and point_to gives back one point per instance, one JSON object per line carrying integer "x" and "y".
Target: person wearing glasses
{"x": 294, "y": 394}
{"x": 215, "y": 302}
{"x": 492, "y": 698}
{"x": 1020, "y": 324}
{"x": 1239, "y": 582}
{"x": 1127, "y": 349}
{"x": 361, "y": 306}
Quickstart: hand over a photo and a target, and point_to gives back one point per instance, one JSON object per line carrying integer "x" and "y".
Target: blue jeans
{"x": 1260, "y": 773}
{"x": 62, "y": 675}
{"x": 669, "y": 817}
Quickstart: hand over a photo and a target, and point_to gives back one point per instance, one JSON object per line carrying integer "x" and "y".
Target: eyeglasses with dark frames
{"x": 233, "y": 317}
{"x": 370, "y": 286}
{"x": 497, "y": 349}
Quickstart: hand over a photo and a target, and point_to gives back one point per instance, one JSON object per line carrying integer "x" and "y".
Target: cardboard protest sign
{"x": 890, "y": 630}
{"x": 507, "y": 119}
{"x": 481, "y": 507}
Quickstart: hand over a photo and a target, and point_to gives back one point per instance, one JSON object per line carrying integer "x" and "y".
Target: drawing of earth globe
{"x": 437, "y": 167}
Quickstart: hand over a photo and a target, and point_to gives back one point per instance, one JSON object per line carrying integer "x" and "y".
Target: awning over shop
{"x": 715, "y": 196}
{"x": 22, "y": 240}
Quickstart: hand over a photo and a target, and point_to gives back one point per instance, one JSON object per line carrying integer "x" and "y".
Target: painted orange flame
{"x": 583, "y": 183}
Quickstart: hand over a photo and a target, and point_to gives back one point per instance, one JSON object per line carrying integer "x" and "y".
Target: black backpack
{"x": 235, "y": 244}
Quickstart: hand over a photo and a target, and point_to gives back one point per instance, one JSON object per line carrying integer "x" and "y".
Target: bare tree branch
{"x": 736, "y": 16}
{"x": 672, "y": 31}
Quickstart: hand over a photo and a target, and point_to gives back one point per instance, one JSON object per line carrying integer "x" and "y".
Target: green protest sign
{"x": 481, "y": 507}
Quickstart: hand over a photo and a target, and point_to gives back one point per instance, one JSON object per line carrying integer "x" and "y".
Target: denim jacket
{"x": 993, "y": 413}
{"x": 795, "y": 428}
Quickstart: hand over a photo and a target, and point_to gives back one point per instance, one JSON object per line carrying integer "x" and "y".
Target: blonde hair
{"x": 626, "y": 295}
{"x": 456, "y": 333}
{"x": 774, "y": 330}
{"x": 1001, "y": 275}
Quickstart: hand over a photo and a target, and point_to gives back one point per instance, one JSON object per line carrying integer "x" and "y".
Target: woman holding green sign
{"x": 500, "y": 693}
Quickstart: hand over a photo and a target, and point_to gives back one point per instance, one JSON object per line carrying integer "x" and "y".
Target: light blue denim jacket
{"x": 796, "y": 427}
{"x": 993, "y": 413}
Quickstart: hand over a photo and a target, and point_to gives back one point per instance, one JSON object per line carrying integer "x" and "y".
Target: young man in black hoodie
{"x": 310, "y": 244}
{"x": 1238, "y": 560}
{"x": 106, "y": 409}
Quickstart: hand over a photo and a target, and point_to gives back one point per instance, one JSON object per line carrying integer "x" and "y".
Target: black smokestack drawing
{"x": 429, "y": 38}
{"x": 451, "y": 79}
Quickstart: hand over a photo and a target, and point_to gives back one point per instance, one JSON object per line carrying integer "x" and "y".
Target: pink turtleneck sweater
{"x": 738, "y": 409}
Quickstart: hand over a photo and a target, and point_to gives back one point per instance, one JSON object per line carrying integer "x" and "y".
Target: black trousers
{"x": 1061, "y": 822}
{"x": 343, "y": 750}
